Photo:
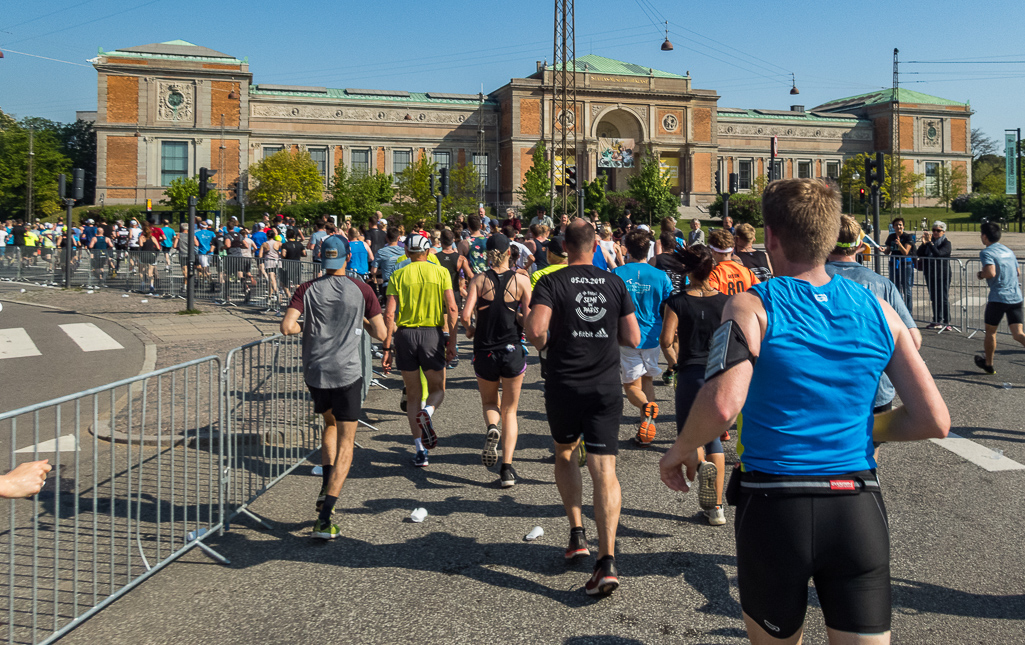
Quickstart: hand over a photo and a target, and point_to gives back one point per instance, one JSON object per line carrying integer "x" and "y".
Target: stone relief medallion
{"x": 567, "y": 118}
{"x": 175, "y": 102}
{"x": 931, "y": 134}
{"x": 670, "y": 122}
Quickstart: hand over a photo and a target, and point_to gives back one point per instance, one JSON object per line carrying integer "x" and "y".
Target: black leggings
{"x": 689, "y": 379}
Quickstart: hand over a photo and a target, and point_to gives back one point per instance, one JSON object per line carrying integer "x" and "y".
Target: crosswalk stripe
{"x": 90, "y": 337}
{"x": 979, "y": 455}
{"x": 62, "y": 444}
{"x": 15, "y": 343}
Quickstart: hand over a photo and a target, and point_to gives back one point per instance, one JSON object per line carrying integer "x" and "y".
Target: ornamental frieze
{"x": 862, "y": 134}
{"x": 330, "y": 113}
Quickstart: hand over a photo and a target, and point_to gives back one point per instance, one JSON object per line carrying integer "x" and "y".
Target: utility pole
{"x": 28, "y": 184}
{"x": 564, "y": 98}
{"x": 896, "y": 176}
{"x": 220, "y": 167}
{"x": 1017, "y": 166}
{"x": 482, "y": 153}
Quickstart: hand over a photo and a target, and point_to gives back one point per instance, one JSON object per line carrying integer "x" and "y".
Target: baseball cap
{"x": 88, "y": 221}
{"x": 417, "y": 242}
{"x": 382, "y": 221}
{"x": 334, "y": 251}
{"x": 497, "y": 242}
{"x": 643, "y": 227}
{"x": 209, "y": 222}
{"x": 556, "y": 247}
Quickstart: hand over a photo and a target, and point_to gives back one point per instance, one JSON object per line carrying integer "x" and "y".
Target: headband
{"x": 723, "y": 251}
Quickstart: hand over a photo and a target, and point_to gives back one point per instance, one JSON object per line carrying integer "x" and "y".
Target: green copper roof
{"x": 743, "y": 113}
{"x": 886, "y": 96}
{"x": 331, "y": 93}
{"x": 602, "y": 65}
{"x": 174, "y": 50}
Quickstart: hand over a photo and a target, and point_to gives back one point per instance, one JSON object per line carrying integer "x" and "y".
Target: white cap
{"x": 643, "y": 227}
{"x": 417, "y": 242}
{"x": 209, "y": 222}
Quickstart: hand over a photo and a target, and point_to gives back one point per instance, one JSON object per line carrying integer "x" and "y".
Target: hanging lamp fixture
{"x": 666, "y": 45}
{"x": 793, "y": 84}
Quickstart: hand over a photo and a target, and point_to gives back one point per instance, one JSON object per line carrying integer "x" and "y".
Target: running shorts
{"x": 204, "y": 260}
{"x": 494, "y": 365}
{"x": 344, "y": 403}
{"x": 419, "y": 348}
{"x": 592, "y": 412}
{"x": 841, "y": 541}
{"x": 995, "y": 312}
{"x": 635, "y": 363}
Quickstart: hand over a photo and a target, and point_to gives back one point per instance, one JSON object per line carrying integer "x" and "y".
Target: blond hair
{"x": 746, "y": 233}
{"x": 496, "y": 258}
{"x": 720, "y": 238}
{"x": 804, "y": 215}
{"x": 849, "y": 240}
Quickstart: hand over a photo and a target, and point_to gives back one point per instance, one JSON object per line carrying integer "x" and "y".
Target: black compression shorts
{"x": 343, "y": 402}
{"x": 841, "y": 541}
{"x": 592, "y": 412}
{"x": 499, "y": 364}
{"x": 995, "y": 312}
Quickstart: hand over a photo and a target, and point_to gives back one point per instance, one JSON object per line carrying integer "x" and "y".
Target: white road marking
{"x": 979, "y": 455}
{"x": 90, "y": 337}
{"x": 15, "y": 343}
{"x": 63, "y": 444}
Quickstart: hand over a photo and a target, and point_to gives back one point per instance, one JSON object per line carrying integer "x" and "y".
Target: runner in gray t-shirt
{"x": 338, "y": 310}
{"x": 1000, "y": 270}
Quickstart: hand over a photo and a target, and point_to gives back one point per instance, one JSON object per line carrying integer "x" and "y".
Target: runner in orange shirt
{"x": 729, "y": 276}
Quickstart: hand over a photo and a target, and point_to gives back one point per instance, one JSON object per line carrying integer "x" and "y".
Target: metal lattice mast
{"x": 564, "y": 98}
{"x": 481, "y": 149}
{"x": 896, "y": 177}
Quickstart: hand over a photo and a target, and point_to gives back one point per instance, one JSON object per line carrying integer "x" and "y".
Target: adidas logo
{"x": 601, "y": 334}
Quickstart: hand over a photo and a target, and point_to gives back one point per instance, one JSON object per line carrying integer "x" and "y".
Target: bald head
{"x": 579, "y": 238}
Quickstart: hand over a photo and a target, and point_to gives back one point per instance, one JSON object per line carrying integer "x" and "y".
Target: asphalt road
{"x": 467, "y": 576}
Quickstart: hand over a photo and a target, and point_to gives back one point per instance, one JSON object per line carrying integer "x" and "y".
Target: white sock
{"x": 429, "y": 409}
{"x": 419, "y": 444}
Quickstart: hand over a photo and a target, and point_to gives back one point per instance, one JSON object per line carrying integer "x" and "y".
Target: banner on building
{"x": 670, "y": 165}
{"x": 1011, "y": 157}
{"x": 557, "y": 162}
{"x": 615, "y": 153}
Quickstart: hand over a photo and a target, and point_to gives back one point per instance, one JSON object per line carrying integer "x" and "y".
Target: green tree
{"x": 78, "y": 143}
{"x": 536, "y": 190}
{"x": 413, "y": 195}
{"x": 463, "y": 182}
{"x": 177, "y": 194}
{"x": 650, "y": 187}
{"x": 595, "y": 195}
{"x": 284, "y": 178}
{"x": 908, "y": 181}
{"x": 47, "y": 163}
{"x": 359, "y": 194}
{"x": 951, "y": 181}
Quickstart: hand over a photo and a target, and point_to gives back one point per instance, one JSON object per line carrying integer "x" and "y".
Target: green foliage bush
{"x": 744, "y": 208}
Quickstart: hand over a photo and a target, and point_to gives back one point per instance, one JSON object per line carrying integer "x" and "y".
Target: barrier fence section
{"x": 135, "y": 484}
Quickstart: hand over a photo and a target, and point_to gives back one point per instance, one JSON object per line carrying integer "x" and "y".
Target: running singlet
{"x": 809, "y": 330}
{"x": 698, "y": 318}
{"x": 537, "y": 275}
{"x": 204, "y": 237}
{"x": 757, "y": 261}
{"x": 583, "y": 345}
{"x": 358, "y": 260}
{"x": 496, "y": 319}
{"x": 478, "y": 254}
{"x": 450, "y": 262}
{"x": 540, "y": 254}
{"x": 731, "y": 277}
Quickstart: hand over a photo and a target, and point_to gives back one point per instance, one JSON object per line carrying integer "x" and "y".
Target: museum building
{"x": 165, "y": 110}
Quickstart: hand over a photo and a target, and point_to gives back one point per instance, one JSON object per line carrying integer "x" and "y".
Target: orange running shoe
{"x": 646, "y": 433}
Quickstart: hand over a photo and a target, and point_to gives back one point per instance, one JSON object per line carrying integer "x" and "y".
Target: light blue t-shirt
{"x": 204, "y": 237}
{"x": 649, "y": 288}
{"x": 1005, "y": 287}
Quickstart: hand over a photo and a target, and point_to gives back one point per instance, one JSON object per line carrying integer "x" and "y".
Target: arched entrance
{"x": 616, "y": 157}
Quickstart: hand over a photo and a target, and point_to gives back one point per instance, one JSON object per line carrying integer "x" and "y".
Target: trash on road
{"x": 1006, "y": 386}
{"x": 318, "y": 471}
{"x": 418, "y": 515}
{"x": 89, "y": 291}
{"x": 125, "y": 295}
{"x": 534, "y": 534}
{"x": 192, "y": 535}
{"x": 144, "y": 301}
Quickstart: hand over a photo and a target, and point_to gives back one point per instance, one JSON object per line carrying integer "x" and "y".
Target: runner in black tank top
{"x": 500, "y": 300}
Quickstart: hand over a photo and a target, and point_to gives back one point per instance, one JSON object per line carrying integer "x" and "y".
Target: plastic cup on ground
{"x": 1006, "y": 386}
{"x": 418, "y": 515}
{"x": 192, "y": 535}
{"x": 318, "y": 471}
{"x": 534, "y": 534}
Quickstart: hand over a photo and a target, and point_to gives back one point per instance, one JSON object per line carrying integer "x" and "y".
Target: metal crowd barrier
{"x": 135, "y": 484}
{"x": 222, "y": 279}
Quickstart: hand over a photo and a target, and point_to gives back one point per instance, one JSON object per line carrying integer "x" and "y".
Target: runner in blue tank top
{"x": 808, "y": 502}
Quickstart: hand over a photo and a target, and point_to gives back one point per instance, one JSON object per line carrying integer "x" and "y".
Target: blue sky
{"x": 744, "y": 50}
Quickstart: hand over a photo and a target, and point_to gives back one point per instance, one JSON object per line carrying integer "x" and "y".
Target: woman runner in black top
{"x": 745, "y": 253}
{"x": 691, "y": 317}
{"x": 500, "y": 299}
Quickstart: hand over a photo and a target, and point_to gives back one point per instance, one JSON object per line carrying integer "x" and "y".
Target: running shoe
{"x": 725, "y": 436}
{"x": 582, "y": 454}
{"x": 402, "y": 401}
{"x": 646, "y": 433}
{"x": 605, "y": 578}
{"x": 421, "y": 459}
{"x": 327, "y": 531}
{"x": 577, "y": 545}
{"x": 489, "y": 456}
{"x": 981, "y": 363}
{"x": 933, "y": 325}
{"x": 321, "y": 497}
{"x": 426, "y": 425}
{"x": 706, "y": 485}
{"x": 454, "y": 363}
{"x": 715, "y": 516}
{"x": 667, "y": 377}
{"x": 507, "y": 476}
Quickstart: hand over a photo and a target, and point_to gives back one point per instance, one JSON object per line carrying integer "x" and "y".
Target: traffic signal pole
{"x": 190, "y": 279}
{"x": 875, "y": 229}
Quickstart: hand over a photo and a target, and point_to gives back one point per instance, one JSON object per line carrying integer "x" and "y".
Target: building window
{"x": 804, "y": 170}
{"x": 360, "y": 162}
{"x": 833, "y": 169}
{"x": 932, "y": 186}
{"x": 271, "y": 150}
{"x": 319, "y": 156}
{"x": 174, "y": 161}
{"x": 745, "y": 174}
{"x": 443, "y": 159}
{"x": 480, "y": 164}
{"x": 400, "y": 160}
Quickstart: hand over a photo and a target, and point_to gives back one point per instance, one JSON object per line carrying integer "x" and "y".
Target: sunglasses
{"x": 937, "y": 230}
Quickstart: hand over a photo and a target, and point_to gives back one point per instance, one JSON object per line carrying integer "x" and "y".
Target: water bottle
{"x": 192, "y": 535}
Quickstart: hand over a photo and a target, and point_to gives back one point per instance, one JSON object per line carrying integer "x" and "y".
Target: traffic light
{"x": 432, "y": 183}
{"x": 734, "y": 183}
{"x": 718, "y": 181}
{"x": 444, "y": 182}
{"x": 571, "y": 177}
{"x": 861, "y": 195}
{"x": 875, "y": 171}
{"x": 240, "y": 191}
{"x": 77, "y": 183}
{"x": 205, "y": 174}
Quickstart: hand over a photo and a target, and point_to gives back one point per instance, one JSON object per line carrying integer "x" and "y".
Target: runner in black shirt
{"x": 580, "y": 316}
